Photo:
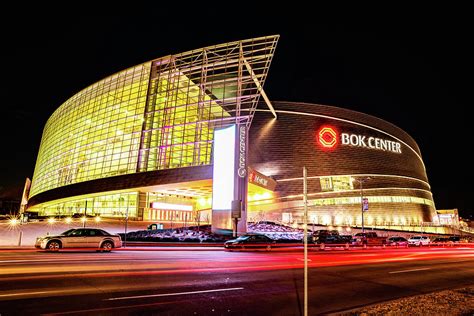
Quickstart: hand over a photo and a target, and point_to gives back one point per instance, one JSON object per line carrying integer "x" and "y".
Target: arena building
{"x": 139, "y": 144}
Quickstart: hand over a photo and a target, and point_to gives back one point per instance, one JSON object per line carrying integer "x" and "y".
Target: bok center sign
{"x": 242, "y": 170}
{"x": 328, "y": 138}
{"x": 370, "y": 142}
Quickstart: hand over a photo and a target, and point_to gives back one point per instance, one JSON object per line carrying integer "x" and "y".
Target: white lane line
{"x": 173, "y": 294}
{"x": 412, "y": 270}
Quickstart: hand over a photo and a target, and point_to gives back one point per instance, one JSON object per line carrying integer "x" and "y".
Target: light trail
{"x": 411, "y": 270}
{"x": 172, "y": 294}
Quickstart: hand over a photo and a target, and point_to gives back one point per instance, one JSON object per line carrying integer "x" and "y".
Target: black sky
{"x": 411, "y": 69}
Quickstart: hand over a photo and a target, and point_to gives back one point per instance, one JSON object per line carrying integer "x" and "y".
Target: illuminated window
{"x": 373, "y": 199}
{"x": 326, "y": 184}
{"x": 336, "y": 183}
{"x": 106, "y": 205}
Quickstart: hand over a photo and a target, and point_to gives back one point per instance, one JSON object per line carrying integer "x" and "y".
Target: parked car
{"x": 454, "y": 239}
{"x": 440, "y": 240}
{"x": 397, "y": 241}
{"x": 80, "y": 238}
{"x": 249, "y": 242}
{"x": 419, "y": 241}
{"x": 333, "y": 239}
{"x": 368, "y": 238}
{"x": 447, "y": 240}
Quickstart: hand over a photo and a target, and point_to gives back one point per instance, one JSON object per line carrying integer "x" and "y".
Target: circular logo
{"x": 327, "y": 137}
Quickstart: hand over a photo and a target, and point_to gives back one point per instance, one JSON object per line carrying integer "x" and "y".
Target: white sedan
{"x": 80, "y": 238}
{"x": 419, "y": 241}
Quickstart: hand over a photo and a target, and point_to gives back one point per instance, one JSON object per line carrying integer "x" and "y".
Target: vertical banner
{"x": 229, "y": 180}
{"x": 223, "y": 178}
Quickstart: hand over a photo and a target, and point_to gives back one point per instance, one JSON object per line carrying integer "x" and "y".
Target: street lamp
{"x": 13, "y": 223}
{"x": 361, "y": 185}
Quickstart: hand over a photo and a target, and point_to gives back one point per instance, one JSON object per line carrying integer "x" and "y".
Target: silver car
{"x": 419, "y": 241}
{"x": 80, "y": 238}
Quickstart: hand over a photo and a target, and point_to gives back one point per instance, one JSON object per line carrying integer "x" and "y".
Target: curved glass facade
{"x": 157, "y": 115}
{"x": 94, "y": 134}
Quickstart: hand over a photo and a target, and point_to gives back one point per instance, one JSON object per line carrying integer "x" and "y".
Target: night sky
{"x": 413, "y": 70}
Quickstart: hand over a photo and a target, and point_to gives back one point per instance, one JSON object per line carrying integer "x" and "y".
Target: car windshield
{"x": 67, "y": 232}
{"x": 242, "y": 238}
{"x": 416, "y": 237}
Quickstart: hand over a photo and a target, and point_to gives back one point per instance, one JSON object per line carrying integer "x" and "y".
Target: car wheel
{"x": 107, "y": 246}
{"x": 53, "y": 245}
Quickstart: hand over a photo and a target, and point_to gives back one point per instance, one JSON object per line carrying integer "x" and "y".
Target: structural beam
{"x": 259, "y": 87}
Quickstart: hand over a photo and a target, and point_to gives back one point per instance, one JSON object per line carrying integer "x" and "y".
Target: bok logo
{"x": 327, "y": 137}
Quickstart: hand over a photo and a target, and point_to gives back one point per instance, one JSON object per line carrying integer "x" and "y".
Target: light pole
{"x": 361, "y": 185}
{"x": 305, "y": 241}
{"x": 126, "y": 224}
{"x": 85, "y": 216}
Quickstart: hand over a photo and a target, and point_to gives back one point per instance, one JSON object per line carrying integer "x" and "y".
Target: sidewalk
{"x": 455, "y": 302}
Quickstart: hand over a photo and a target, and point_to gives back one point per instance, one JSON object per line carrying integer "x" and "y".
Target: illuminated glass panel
{"x": 108, "y": 205}
{"x": 94, "y": 134}
{"x": 372, "y": 199}
{"x": 157, "y": 115}
{"x": 326, "y": 184}
{"x": 336, "y": 183}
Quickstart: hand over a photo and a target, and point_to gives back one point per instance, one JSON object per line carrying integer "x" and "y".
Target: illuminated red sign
{"x": 327, "y": 137}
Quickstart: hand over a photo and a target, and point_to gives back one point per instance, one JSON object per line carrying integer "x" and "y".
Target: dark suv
{"x": 330, "y": 237}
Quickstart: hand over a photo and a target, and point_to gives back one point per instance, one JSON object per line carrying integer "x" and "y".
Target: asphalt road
{"x": 214, "y": 282}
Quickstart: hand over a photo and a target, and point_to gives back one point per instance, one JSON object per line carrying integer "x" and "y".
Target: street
{"x": 199, "y": 281}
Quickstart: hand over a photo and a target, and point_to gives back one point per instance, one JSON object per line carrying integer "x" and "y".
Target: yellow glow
{"x": 97, "y": 219}
{"x": 370, "y": 220}
{"x": 83, "y": 219}
{"x": 258, "y": 195}
{"x": 203, "y": 203}
{"x": 13, "y": 221}
{"x": 68, "y": 220}
{"x": 266, "y": 195}
{"x": 403, "y": 220}
{"x": 51, "y": 220}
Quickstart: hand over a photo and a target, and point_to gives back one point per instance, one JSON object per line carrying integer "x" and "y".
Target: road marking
{"x": 172, "y": 294}
{"x": 412, "y": 270}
